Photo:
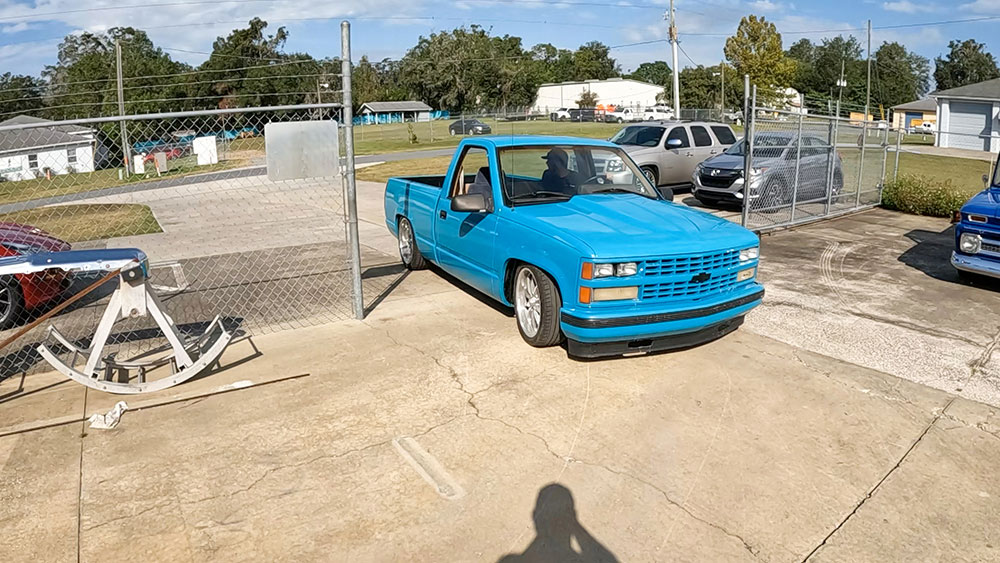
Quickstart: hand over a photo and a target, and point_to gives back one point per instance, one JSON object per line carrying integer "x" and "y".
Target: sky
{"x": 30, "y": 31}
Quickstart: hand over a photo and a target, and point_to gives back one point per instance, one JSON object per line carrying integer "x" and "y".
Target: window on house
{"x": 32, "y": 162}
{"x": 71, "y": 156}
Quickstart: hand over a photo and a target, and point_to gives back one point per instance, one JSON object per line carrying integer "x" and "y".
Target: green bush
{"x": 921, "y": 195}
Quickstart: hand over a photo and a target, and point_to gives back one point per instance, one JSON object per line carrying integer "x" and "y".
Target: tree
{"x": 966, "y": 63}
{"x": 899, "y": 76}
{"x": 755, "y": 50}
{"x": 592, "y": 62}
{"x": 551, "y": 64}
{"x": 803, "y": 54}
{"x": 587, "y": 99}
{"x": 20, "y": 94}
{"x": 657, "y": 72}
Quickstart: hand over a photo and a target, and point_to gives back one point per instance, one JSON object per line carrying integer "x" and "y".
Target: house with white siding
{"x": 38, "y": 152}
{"x": 969, "y": 116}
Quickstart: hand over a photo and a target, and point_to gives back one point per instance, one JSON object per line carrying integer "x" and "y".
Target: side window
{"x": 701, "y": 136}
{"x": 33, "y": 162}
{"x": 680, "y": 134}
{"x": 724, "y": 134}
{"x": 472, "y": 174}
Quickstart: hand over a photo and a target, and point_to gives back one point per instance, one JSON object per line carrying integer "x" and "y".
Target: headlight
{"x": 970, "y": 243}
{"x": 616, "y": 293}
{"x": 615, "y": 165}
{"x": 748, "y": 254}
{"x": 744, "y": 275}
{"x": 595, "y": 271}
{"x": 758, "y": 171}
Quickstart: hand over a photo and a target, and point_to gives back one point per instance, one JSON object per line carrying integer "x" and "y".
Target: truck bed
{"x": 435, "y": 181}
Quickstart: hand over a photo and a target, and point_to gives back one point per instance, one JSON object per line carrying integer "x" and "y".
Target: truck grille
{"x": 692, "y": 264}
{"x": 689, "y": 288}
{"x": 991, "y": 247}
{"x": 721, "y": 179}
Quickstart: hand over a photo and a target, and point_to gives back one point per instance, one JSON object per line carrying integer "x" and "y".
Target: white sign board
{"x": 139, "y": 164}
{"x": 205, "y": 149}
{"x": 302, "y": 149}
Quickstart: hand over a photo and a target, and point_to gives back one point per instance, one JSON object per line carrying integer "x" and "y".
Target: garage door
{"x": 973, "y": 121}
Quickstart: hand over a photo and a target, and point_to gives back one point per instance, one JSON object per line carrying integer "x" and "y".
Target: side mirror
{"x": 469, "y": 203}
{"x": 667, "y": 193}
{"x": 986, "y": 181}
{"x": 674, "y": 143}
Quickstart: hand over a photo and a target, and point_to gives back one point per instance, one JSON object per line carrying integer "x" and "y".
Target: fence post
{"x": 747, "y": 157}
{"x": 352, "y": 191}
{"x": 885, "y": 161}
{"x": 899, "y": 143}
{"x": 126, "y": 153}
{"x": 861, "y": 164}
{"x": 798, "y": 158}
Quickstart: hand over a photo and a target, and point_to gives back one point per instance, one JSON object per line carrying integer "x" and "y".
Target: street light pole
{"x": 673, "y": 54}
{"x": 722, "y": 66}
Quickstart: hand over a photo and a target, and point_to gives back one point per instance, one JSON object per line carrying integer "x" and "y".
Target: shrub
{"x": 921, "y": 195}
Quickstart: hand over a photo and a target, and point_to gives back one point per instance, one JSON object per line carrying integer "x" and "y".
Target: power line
{"x": 167, "y": 84}
{"x": 188, "y": 73}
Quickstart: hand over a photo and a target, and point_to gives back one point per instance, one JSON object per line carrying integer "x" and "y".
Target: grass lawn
{"x": 75, "y": 223}
{"x": 965, "y": 174}
{"x": 416, "y": 167}
{"x": 64, "y": 184}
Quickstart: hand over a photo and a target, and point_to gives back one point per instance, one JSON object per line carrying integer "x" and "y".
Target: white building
{"x": 618, "y": 92}
{"x": 372, "y": 113}
{"x": 26, "y": 154}
{"x": 968, "y": 117}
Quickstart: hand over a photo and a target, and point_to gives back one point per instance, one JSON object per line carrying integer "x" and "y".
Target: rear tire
{"x": 11, "y": 302}
{"x": 536, "y": 307}
{"x": 408, "y": 251}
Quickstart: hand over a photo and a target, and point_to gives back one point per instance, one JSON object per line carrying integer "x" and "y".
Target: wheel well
{"x": 508, "y": 279}
{"x": 653, "y": 167}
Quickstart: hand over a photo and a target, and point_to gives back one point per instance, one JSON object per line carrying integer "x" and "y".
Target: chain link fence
{"x": 802, "y": 168}
{"x": 224, "y": 234}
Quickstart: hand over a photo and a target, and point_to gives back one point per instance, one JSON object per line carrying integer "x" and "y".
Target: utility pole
{"x": 868, "y": 93}
{"x": 722, "y": 68}
{"x": 673, "y": 52}
{"x": 841, "y": 84}
{"x": 126, "y": 153}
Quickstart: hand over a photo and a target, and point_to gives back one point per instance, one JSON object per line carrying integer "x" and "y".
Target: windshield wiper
{"x": 541, "y": 193}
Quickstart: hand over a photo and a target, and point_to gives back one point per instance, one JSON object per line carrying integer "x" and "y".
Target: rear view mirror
{"x": 667, "y": 193}
{"x": 674, "y": 143}
{"x": 470, "y": 203}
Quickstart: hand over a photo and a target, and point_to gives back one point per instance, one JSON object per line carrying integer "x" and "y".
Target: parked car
{"x": 658, "y": 113}
{"x": 925, "y": 128}
{"x": 622, "y": 115}
{"x": 172, "y": 153}
{"x": 721, "y": 179}
{"x": 469, "y": 127}
{"x": 667, "y": 152}
{"x": 605, "y": 262}
{"x": 585, "y": 114}
{"x": 977, "y": 234}
{"x": 21, "y": 293}
{"x": 561, "y": 114}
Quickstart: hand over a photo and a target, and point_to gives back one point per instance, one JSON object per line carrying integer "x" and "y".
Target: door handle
{"x": 713, "y": 151}
{"x": 443, "y": 214}
{"x": 690, "y": 154}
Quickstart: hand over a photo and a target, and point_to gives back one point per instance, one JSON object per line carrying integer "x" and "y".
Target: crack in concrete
{"x": 983, "y": 359}
{"x": 128, "y": 516}
{"x": 982, "y": 426}
{"x": 884, "y": 478}
{"x": 755, "y": 552}
{"x": 900, "y": 398}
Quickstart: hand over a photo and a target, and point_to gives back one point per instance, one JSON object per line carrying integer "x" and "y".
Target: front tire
{"x": 11, "y": 302}
{"x": 536, "y": 307}
{"x": 408, "y": 251}
{"x": 650, "y": 175}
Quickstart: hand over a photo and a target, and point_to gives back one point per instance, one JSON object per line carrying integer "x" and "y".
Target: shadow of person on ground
{"x": 556, "y": 526}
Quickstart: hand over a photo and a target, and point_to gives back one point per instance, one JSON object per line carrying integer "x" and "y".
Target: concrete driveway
{"x": 430, "y": 432}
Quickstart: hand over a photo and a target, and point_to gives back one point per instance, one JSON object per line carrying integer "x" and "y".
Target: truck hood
{"x": 638, "y": 153}
{"x": 986, "y": 202}
{"x": 632, "y": 226}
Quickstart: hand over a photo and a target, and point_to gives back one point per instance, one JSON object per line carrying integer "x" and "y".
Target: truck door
{"x": 465, "y": 240}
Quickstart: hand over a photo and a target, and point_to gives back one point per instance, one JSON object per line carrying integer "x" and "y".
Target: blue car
{"x": 977, "y": 235}
{"x": 571, "y": 234}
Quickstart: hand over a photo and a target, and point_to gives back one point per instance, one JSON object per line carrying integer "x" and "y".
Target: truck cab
{"x": 977, "y": 234}
{"x": 570, "y": 234}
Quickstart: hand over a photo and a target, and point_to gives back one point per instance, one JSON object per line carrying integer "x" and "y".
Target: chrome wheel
{"x": 405, "y": 242}
{"x": 649, "y": 175}
{"x": 527, "y": 302}
{"x": 6, "y": 302}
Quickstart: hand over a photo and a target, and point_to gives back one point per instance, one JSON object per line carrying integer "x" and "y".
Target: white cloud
{"x": 907, "y": 7}
{"x": 989, "y": 7}
{"x": 16, "y": 28}
{"x": 765, "y": 6}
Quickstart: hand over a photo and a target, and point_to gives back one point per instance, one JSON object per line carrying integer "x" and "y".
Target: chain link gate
{"x": 802, "y": 168}
{"x": 242, "y": 229}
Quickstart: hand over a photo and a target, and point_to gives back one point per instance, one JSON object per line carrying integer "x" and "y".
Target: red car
{"x": 21, "y": 293}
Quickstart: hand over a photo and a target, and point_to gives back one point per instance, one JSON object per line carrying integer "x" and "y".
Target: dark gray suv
{"x": 720, "y": 179}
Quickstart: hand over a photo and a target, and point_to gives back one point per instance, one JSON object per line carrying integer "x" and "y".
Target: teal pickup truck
{"x": 570, "y": 234}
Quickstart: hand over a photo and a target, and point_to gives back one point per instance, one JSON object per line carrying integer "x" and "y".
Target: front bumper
{"x": 976, "y": 264}
{"x": 602, "y": 327}
{"x": 588, "y": 350}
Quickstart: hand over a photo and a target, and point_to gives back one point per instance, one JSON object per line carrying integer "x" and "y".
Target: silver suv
{"x": 668, "y": 151}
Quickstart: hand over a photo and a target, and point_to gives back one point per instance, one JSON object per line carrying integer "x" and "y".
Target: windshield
{"x": 765, "y": 146}
{"x": 640, "y": 136}
{"x": 546, "y": 173}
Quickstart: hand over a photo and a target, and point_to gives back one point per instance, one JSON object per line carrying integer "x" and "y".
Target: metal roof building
{"x": 969, "y": 116}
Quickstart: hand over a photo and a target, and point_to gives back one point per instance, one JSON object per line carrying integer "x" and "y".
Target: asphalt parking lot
{"x": 852, "y": 418}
